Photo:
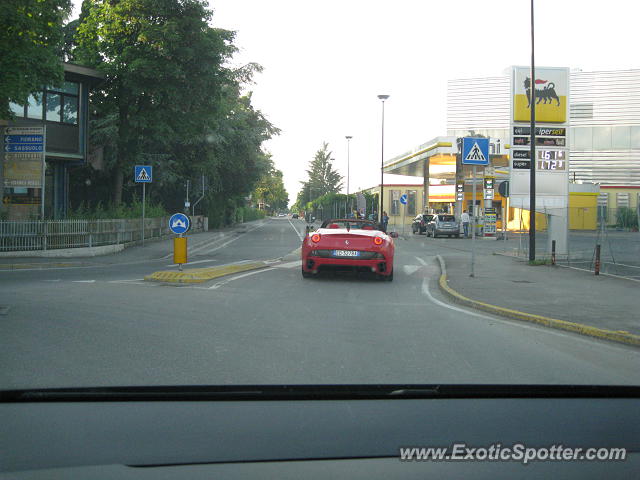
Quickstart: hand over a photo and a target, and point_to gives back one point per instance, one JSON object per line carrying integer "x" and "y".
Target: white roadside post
{"x": 475, "y": 151}
{"x": 143, "y": 174}
{"x": 473, "y": 223}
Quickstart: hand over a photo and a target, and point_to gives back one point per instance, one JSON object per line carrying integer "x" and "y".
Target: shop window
{"x": 53, "y": 107}
{"x": 18, "y": 110}
{"x": 34, "y": 106}
{"x": 411, "y": 202}
{"x": 62, "y": 103}
{"x": 395, "y": 202}
{"x": 70, "y": 110}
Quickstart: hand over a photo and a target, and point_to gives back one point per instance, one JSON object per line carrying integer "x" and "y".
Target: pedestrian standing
{"x": 465, "y": 218}
{"x": 385, "y": 221}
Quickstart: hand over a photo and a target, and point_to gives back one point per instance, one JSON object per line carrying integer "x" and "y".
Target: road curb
{"x": 200, "y": 275}
{"x": 36, "y": 266}
{"x": 66, "y": 252}
{"x": 615, "y": 336}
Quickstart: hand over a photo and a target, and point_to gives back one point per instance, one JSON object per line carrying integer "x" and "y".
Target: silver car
{"x": 443, "y": 224}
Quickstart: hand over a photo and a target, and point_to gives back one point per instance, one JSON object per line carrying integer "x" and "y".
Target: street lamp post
{"x": 532, "y": 162}
{"x": 348, "y": 137}
{"x": 383, "y": 98}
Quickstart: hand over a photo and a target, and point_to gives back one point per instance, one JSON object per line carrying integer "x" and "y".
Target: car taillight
{"x": 315, "y": 237}
{"x": 377, "y": 240}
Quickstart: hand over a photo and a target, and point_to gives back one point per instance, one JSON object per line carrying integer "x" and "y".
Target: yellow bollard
{"x": 180, "y": 250}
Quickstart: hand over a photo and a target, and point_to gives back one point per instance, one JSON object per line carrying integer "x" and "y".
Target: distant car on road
{"x": 282, "y": 214}
{"x": 419, "y": 224}
{"x": 443, "y": 224}
{"x": 295, "y": 215}
{"x": 348, "y": 244}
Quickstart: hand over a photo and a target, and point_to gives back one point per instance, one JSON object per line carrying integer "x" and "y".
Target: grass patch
{"x": 545, "y": 261}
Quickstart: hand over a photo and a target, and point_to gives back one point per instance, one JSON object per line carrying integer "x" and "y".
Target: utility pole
{"x": 532, "y": 172}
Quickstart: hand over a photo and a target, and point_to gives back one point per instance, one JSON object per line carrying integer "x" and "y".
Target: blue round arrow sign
{"x": 403, "y": 199}
{"x": 179, "y": 223}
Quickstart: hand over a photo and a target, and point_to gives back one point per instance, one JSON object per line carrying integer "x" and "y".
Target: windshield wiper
{"x": 315, "y": 392}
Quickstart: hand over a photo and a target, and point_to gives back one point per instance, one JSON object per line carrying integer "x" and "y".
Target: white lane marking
{"x": 425, "y": 291}
{"x": 422, "y": 261}
{"x": 238, "y": 277}
{"x": 521, "y": 324}
{"x": 410, "y": 269}
{"x": 132, "y": 280}
{"x": 193, "y": 263}
{"x": 57, "y": 280}
{"x": 83, "y": 281}
{"x": 297, "y": 263}
{"x": 195, "y": 248}
{"x": 300, "y": 236}
{"x": 234, "y": 239}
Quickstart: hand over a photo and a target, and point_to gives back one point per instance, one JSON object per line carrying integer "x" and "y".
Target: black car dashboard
{"x": 310, "y": 436}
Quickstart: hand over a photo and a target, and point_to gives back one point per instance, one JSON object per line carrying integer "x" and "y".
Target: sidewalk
{"x": 154, "y": 249}
{"x": 606, "y": 303}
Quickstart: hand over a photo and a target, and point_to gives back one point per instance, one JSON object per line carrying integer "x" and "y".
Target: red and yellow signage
{"x": 551, "y": 95}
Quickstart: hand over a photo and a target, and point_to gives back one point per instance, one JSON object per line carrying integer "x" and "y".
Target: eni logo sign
{"x": 551, "y": 89}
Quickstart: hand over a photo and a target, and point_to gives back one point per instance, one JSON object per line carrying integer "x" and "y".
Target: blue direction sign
{"x": 179, "y": 223}
{"x": 143, "y": 174}
{"x": 23, "y": 147}
{"x": 403, "y": 199}
{"x": 24, "y": 139}
{"x": 475, "y": 151}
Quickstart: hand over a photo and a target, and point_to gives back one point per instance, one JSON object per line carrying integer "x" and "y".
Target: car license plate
{"x": 346, "y": 253}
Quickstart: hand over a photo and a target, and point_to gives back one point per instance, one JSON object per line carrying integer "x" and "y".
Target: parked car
{"x": 419, "y": 224}
{"x": 443, "y": 224}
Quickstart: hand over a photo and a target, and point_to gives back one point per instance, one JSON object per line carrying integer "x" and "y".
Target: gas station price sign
{"x": 551, "y": 160}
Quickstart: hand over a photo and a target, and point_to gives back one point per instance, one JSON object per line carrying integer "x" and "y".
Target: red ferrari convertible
{"x": 348, "y": 244}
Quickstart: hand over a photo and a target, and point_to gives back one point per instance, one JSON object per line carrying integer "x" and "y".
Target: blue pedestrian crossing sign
{"x": 403, "y": 199}
{"x": 143, "y": 174}
{"x": 475, "y": 151}
{"x": 179, "y": 223}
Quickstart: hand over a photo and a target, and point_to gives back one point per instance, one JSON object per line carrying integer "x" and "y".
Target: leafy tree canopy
{"x": 322, "y": 178}
{"x": 31, "y": 41}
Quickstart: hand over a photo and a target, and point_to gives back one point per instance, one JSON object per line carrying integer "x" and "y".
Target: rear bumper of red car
{"x": 314, "y": 264}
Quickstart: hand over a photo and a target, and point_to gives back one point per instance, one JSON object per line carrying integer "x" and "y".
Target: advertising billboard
{"x": 551, "y": 94}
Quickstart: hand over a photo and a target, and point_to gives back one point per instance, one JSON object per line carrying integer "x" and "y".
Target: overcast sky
{"x": 326, "y": 61}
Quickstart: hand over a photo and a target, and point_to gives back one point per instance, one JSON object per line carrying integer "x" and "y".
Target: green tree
{"x": 165, "y": 82}
{"x": 31, "y": 39}
{"x": 270, "y": 190}
{"x": 322, "y": 178}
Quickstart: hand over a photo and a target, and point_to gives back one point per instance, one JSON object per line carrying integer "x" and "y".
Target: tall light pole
{"x": 532, "y": 162}
{"x": 348, "y": 137}
{"x": 383, "y": 98}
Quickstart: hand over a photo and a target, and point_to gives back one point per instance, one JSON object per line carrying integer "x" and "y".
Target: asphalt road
{"x": 100, "y": 325}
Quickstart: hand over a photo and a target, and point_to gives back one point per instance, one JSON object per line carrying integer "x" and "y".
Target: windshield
{"x": 173, "y": 172}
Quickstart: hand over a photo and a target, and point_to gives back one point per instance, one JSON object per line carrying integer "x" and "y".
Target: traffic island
{"x": 200, "y": 275}
{"x": 588, "y": 330}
